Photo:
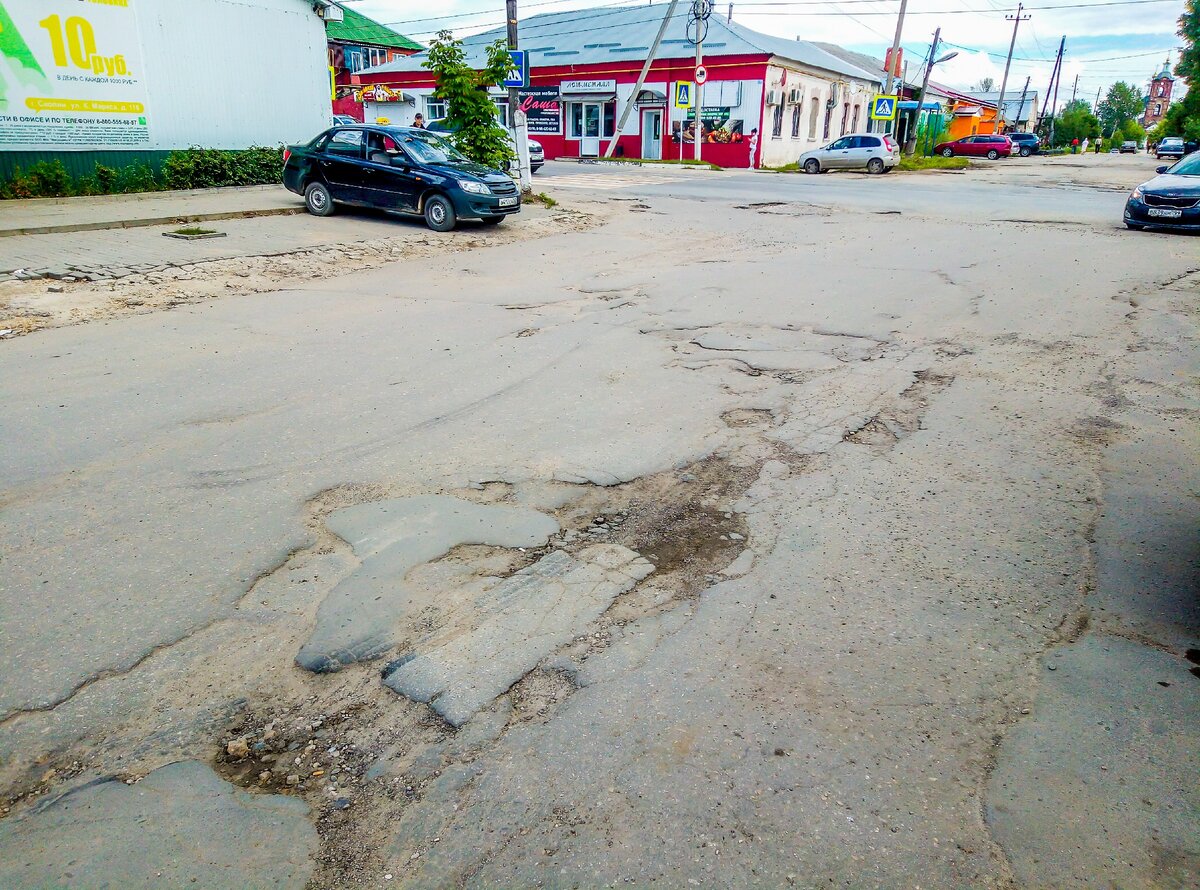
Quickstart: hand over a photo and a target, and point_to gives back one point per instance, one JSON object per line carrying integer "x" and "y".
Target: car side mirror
{"x": 1163, "y": 169}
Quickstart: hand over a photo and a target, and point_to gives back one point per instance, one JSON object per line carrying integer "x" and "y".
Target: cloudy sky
{"x": 1107, "y": 40}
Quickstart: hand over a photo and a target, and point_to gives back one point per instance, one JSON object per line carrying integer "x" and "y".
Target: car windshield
{"x": 1189, "y": 166}
{"x": 430, "y": 149}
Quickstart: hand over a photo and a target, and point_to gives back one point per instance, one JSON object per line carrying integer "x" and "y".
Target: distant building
{"x": 1159, "y": 99}
{"x": 356, "y": 43}
{"x": 584, "y": 66}
{"x": 1020, "y": 109}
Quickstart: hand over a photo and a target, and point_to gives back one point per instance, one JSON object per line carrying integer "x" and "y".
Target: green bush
{"x": 197, "y": 168}
{"x": 192, "y": 168}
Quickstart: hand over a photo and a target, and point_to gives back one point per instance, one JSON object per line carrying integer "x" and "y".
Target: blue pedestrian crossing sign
{"x": 883, "y": 108}
{"x": 520, "y": 77}
{"x": 685, "y": 94}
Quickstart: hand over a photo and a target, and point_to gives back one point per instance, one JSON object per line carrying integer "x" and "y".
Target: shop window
{"x": 435, "y": 109}
{"x": 814, "y": 113}
{"x": 610, "y": 119}
{"x": 795, "y": 121}
{"x": 777, "y": 121}
{"x": 575, "y": 119}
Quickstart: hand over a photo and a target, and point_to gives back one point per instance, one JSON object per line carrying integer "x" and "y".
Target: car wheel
{"x": 947, "y": 152}
{"x": 993, "y": 154}
{"x": 317, "y": 199}
{"x": 875, "y": 165}
{"x": 492, "y": 220}
{"x": 812, "y": 165}
{"x": 1025, "y": 152}
{"x": 439, "y": 213}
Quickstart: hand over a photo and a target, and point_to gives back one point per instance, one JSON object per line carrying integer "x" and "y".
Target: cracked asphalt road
{"x": 915, "y": 495}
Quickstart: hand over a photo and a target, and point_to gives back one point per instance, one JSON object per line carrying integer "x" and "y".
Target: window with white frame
{"x": 777, "y": 120}
{"x": 435, "y": 109}
{"x": 796, "y": 121}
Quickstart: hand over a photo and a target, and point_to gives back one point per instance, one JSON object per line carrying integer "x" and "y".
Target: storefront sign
{"x": 374, "y": 93}
{"x": 716, "y": 126}
{"x": 589, "y": 86}
{"x": 72, "y": 76}
{"x": 543, "y": 109}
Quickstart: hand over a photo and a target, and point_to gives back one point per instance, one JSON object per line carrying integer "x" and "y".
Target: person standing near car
{"x": 419, "y": 121}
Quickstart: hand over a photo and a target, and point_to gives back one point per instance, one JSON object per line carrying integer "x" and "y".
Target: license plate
{"x": 1165, "y": 212}
{"x": 512, "y": 202}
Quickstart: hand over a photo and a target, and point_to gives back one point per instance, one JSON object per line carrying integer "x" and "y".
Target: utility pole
{"x": 1075, "y": 89}
{"x": 910, "y": 141}
{"x": 1096, "y": 104}
{"x": 1050, "y": 86}
{"x": 641, "y": 81}
{"x": 1016, "y": 20}
{"x": 1058, "y": 80}
{"x": 887, "y": 87}
{"x": 701, "y": 10}
{"x": 516, "y": 117}
{"x": 1024, "y": 93}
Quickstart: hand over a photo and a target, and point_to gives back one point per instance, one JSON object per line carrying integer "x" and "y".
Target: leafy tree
{"x": 985, "y": 85}
{"x": 470, "y": 113}
{"x": 1133, "y": 131}
{"x": 1122, "y": 103}
{"x": 1076, "y": 122}
{"x": 1188, "y": 66}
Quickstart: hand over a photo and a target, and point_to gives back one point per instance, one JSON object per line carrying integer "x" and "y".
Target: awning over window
{"x": 909, "y": 105}
{"x": 968, "y": 110}
{"x": 650, "y": 97}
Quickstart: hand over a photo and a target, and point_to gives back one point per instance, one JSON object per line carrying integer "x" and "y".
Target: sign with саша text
{"x": 71, "y": 76}
{"x": 589, "y": 86}
{"x": 543, "y": 109}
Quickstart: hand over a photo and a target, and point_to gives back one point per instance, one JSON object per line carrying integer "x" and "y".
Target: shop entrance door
{"x": 589, "y": 147}
{"x": 652, "y": 135}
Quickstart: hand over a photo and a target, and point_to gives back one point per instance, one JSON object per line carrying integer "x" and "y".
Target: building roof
{"x": 858, "y": 60}
{"x": 357, "y": 28}
{"x": 594, "y": 36}
{"x": 1014, "y": 111}
{"x": 1165, "y": 73}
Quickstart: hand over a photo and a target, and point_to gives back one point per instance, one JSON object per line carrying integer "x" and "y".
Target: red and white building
{"x": 584, "y": 65}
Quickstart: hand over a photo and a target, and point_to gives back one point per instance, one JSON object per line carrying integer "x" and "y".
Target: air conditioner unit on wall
{"x": 331, "y": 12}
{"x": 773, "y": 97}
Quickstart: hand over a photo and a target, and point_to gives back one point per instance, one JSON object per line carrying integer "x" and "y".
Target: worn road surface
{"x": 764, "y": 531}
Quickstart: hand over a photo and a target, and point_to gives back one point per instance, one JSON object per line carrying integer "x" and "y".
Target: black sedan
{"x": 1171, "y": 200}
{"x": 399, "y": 169}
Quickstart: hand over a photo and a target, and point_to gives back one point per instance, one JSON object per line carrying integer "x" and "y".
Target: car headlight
{"x": 1136, "y": 194}
{"x": 475, "y": 188}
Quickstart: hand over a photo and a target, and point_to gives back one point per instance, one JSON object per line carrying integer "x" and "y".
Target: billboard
{"x": 543, "y": 109}
{"x": 71, "y": 76}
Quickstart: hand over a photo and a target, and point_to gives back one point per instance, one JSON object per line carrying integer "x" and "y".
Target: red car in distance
{"x": 988, "y": 146}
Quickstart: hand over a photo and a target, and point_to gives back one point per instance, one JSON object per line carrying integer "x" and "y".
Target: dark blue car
{"x": 399, "y": 169}
{"x": 1171, "y": 200}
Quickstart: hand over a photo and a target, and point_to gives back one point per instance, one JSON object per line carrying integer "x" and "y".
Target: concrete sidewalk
{"x": 39, "y": 216}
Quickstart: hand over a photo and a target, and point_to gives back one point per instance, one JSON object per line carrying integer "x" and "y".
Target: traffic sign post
{"x": 520, "y": 78}
{"x": 883, "y": 108}
{"x": 685, "y": 94}
{"x": 701, "y": 74}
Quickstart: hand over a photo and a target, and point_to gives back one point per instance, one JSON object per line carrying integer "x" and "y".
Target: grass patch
{"x": 195, "y": 230}
{"x": 541, "y": 198}
{"x": 686, "y": 162}
{"x": 793, "y": 167}
{"x": 918, "y": 162}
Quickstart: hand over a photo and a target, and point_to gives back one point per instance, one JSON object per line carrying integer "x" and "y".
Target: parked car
{"x": 343, "y": 120}
{"x": 537, "y": 155}
{"x": 1171, "y": 200}
{"x": 1129, "y": 147}
{"x": 989, "y": 146}
{"x": 404, "y": 170}
{"x": 873, "y": 152}
{"x": 1026, "y": 143}
{"x": 1170, "y": 147}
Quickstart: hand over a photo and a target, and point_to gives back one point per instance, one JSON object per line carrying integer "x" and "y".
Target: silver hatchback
{"x": 873, "y": 152}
